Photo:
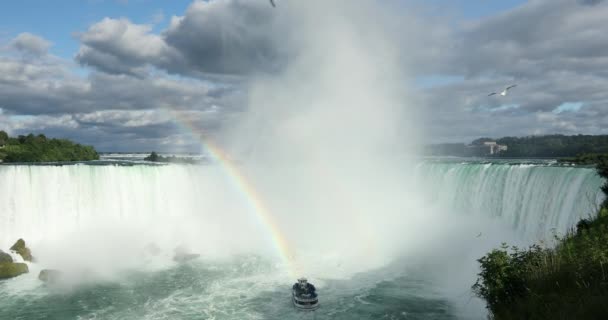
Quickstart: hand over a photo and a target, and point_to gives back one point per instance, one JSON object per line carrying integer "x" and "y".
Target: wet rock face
{"x": 11, "y": 269}
{"x": 49, "y": 275}
{"x": 185, "y": 257}
{"x": 22, "y": 250}
{"x": 5, "y": 257}
{"x": 181, "y": 254}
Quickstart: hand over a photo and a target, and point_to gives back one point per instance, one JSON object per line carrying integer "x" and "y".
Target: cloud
{"x": 233, "y": 36}
{"x": 30, "y": 44}
{"x": 590, "y": 2}
{"x": 555, "y": 50}
{"x": 534, "y": 39}
{"x": 240, "y": 37}
{"x": 118, "y": 46}
{"x": 108, "y": 110}
{"x": 44, "y": 87}
{"x": 219, "y": 37}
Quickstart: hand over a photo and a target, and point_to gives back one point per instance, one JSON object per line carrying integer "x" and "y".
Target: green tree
{"x": 3, "y": 137}
{"x": 39, "y": 148}
{"x": 152, "y": 157}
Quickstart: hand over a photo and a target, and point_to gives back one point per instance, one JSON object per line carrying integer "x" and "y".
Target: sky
{"x": 117, "y": 74}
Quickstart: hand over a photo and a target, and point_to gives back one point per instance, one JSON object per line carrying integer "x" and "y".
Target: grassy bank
{"x": 569, "y": 281}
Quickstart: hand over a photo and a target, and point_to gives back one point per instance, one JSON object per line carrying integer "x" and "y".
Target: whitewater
{"x": 96, "y": 222}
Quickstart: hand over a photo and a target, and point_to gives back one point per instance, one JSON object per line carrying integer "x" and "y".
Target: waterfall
{"x": 46, "y": 203}
{"x": 41, "y": 203}
{"x": 535, "y": 199}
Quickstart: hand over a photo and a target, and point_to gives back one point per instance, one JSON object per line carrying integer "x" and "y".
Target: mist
{"x": 330, "y": 143}
{"x": 325, "y": 139}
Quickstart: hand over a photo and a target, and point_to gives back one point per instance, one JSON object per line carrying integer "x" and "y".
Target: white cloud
{"x": 119, "y": 46}
{"x": 31, "y": 44}
{"x": 556, "y": 50}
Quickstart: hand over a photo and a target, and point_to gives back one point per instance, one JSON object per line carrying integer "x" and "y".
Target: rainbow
{"x": 244, "y": 186}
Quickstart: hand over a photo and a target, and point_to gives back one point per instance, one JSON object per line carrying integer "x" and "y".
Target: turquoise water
{"x": 93, "y": 223}
{"x": 234, "y": 290}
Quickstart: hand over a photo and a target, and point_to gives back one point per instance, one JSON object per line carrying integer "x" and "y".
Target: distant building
{"x": 494, "y": 147}
{"x": 486, "y": 148}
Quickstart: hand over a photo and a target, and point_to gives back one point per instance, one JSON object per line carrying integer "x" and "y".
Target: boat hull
{"x": 305, "y": 303}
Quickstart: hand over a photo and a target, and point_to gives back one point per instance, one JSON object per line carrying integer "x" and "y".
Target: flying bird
{"x": 479, "y": 235}
{"x": 272, "y": 3}
{"x": 504, "y": 92}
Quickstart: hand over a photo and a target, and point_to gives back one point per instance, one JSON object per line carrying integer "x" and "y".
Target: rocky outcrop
{"x": 184, "y": 257}
{"x": 22, "y": 250}
{"x": 181, "y": 254}
{"x": 49, "y": 275}
{"x": 5, "y": 257}
{"x": 11, "y": 269}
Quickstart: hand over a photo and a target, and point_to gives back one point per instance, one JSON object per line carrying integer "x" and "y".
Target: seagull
{"x": 504, "y": 92}
{"x": 272, "y": 3}
{"x": 479, "y": 235}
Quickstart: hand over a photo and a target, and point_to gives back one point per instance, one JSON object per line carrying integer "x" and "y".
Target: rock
{"x": 181, "y": 254}
{"x": 49, "y": 275}
{"x": 22, "y": 250}
{"x": 11, "y": 269}
{"x": 5, "y": 257}
{"x": 184, "y": 257}
{"x": 584, "y": 224}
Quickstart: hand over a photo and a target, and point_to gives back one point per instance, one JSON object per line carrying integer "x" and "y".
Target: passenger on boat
{"x": 303, "y": 287}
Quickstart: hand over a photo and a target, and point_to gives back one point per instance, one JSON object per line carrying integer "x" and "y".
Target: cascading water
{"x": 535, "y": 199}
{"x": 160, "y": 204}
{"x": 96, "y": 220}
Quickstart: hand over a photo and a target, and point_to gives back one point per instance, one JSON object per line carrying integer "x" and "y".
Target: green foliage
{"x": 152, "y": 157}
{"x": 568, "y": 281}
{"x": 502, "y": 274}
{"x": 3, "y": 137}
{"x": 599, "y": 159}
{"x": 554, "y": 145}
{"x": 39, "y": 148}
